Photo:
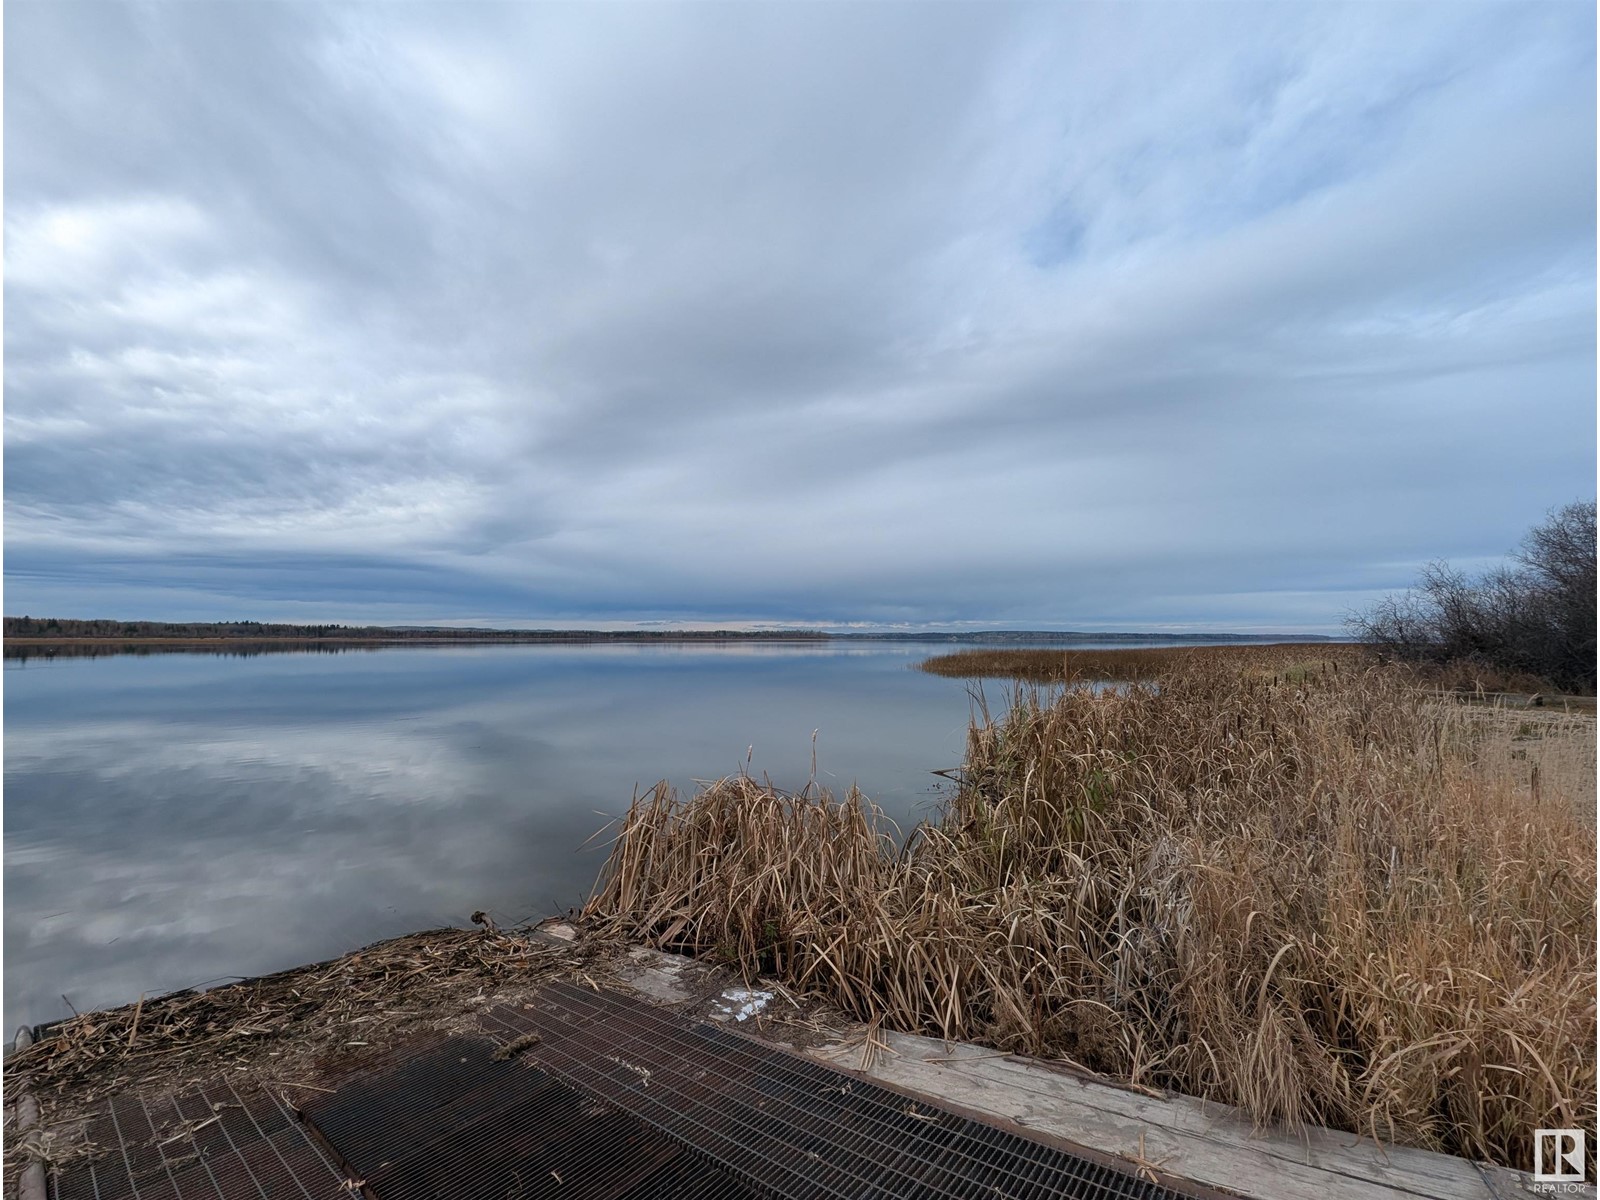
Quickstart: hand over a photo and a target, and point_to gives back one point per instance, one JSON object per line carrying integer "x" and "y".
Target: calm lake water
{"x": 179, "y": 819}
{"x": 175, "y": 819}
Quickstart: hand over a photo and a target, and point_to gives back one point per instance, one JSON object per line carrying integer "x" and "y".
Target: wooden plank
{"x": 1249, "y": 1172}
{"x": 31, "y": 1182}
{"x": 1440, "y": 1175}
{"x": 1208, "y": 1143}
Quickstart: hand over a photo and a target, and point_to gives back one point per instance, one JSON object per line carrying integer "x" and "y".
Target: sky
{"x": 1093, "y": 316}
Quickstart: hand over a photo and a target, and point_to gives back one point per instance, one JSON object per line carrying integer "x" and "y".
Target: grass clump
{"x": 1329, "y": 899}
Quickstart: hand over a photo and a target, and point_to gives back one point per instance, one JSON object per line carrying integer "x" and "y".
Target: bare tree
{"x": 1536, "y": 618}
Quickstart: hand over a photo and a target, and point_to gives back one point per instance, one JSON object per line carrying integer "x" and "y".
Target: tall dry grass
{"x": 1330, "y": 899}
{"x": 1136, "y": 664}
{"x": 1291, "y": 659}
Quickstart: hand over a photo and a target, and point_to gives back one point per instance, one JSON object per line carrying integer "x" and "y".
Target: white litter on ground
{"x": 742, "y": 1003}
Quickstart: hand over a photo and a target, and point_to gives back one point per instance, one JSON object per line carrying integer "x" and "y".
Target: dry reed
{"x": 1290, "y": 660}
{"x": 1135, "y": 665}
{"x": 297, "y": 1023}
{"x": 1306, "y": 889}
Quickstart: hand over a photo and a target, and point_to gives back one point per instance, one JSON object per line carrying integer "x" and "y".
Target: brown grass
{"x": 1306, "y": 889}
{"x": 298, "y": 1024}
{"x": 1291, "y": 660}
{"x": 1068, "y": 666}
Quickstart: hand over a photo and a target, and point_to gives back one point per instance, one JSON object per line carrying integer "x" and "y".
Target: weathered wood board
{"x": 1207, "y": 1143}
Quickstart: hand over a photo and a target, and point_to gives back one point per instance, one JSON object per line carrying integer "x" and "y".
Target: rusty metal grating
{"x": 454, "y": 1122}
{"x": 212, "y": 1141}
{"x": 785, "y": 1124}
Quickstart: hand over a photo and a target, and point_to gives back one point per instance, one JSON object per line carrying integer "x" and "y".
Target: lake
{"x": 173, "y": 820}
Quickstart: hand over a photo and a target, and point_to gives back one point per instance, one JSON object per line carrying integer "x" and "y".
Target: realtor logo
{"x": 1558, "y": 1155}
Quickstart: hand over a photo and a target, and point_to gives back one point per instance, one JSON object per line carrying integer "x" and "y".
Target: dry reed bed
{"x": 295, "y": 1025}
{"x": 1290, "y": 660}
{"x": 1328, "y": 900}
{"x": 1135, "y": 665}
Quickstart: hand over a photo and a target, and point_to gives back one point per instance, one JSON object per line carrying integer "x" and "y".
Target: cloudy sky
{"x": 1214, "y": 316}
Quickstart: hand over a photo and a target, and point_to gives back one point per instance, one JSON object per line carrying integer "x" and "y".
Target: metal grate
{"x": 212, "y": 1141}
{"x": 614, "y": 1099}
{"x": 785, "y": 1123}
{"x": 454, "y": 1122}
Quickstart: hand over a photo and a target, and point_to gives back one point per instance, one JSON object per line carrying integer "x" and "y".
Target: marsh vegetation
{"x": 1299, "y": 884}
{"x": 1043, "y": 666}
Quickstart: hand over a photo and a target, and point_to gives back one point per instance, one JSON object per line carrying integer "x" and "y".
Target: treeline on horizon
{"x": 64, "y": 628}
{"x": 59, "y": 627}
{"x": 26, "y": 650}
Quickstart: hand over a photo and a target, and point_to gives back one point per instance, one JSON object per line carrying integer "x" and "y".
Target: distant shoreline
{"x": 368, "y": 643}
{"x": 45, "y": 632}
{"x": 22, "y": 644}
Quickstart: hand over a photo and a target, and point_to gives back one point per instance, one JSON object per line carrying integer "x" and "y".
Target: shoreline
{"x": 1065, "y": 640}
{"x": 43, "y": 631}
{"x": 400, "y": 641}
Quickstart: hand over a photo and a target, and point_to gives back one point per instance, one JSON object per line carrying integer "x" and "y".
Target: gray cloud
{"x": 1063, "y": 315}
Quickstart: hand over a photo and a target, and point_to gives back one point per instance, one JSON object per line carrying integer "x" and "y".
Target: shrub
{"x": 1535, "y": 618}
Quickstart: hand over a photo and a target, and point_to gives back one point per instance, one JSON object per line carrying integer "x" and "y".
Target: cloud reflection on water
{"x": 176, "y": 820}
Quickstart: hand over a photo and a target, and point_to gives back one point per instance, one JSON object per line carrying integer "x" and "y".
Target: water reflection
{"x": 177, "y": 819}
{"x": 22, "y": 653}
